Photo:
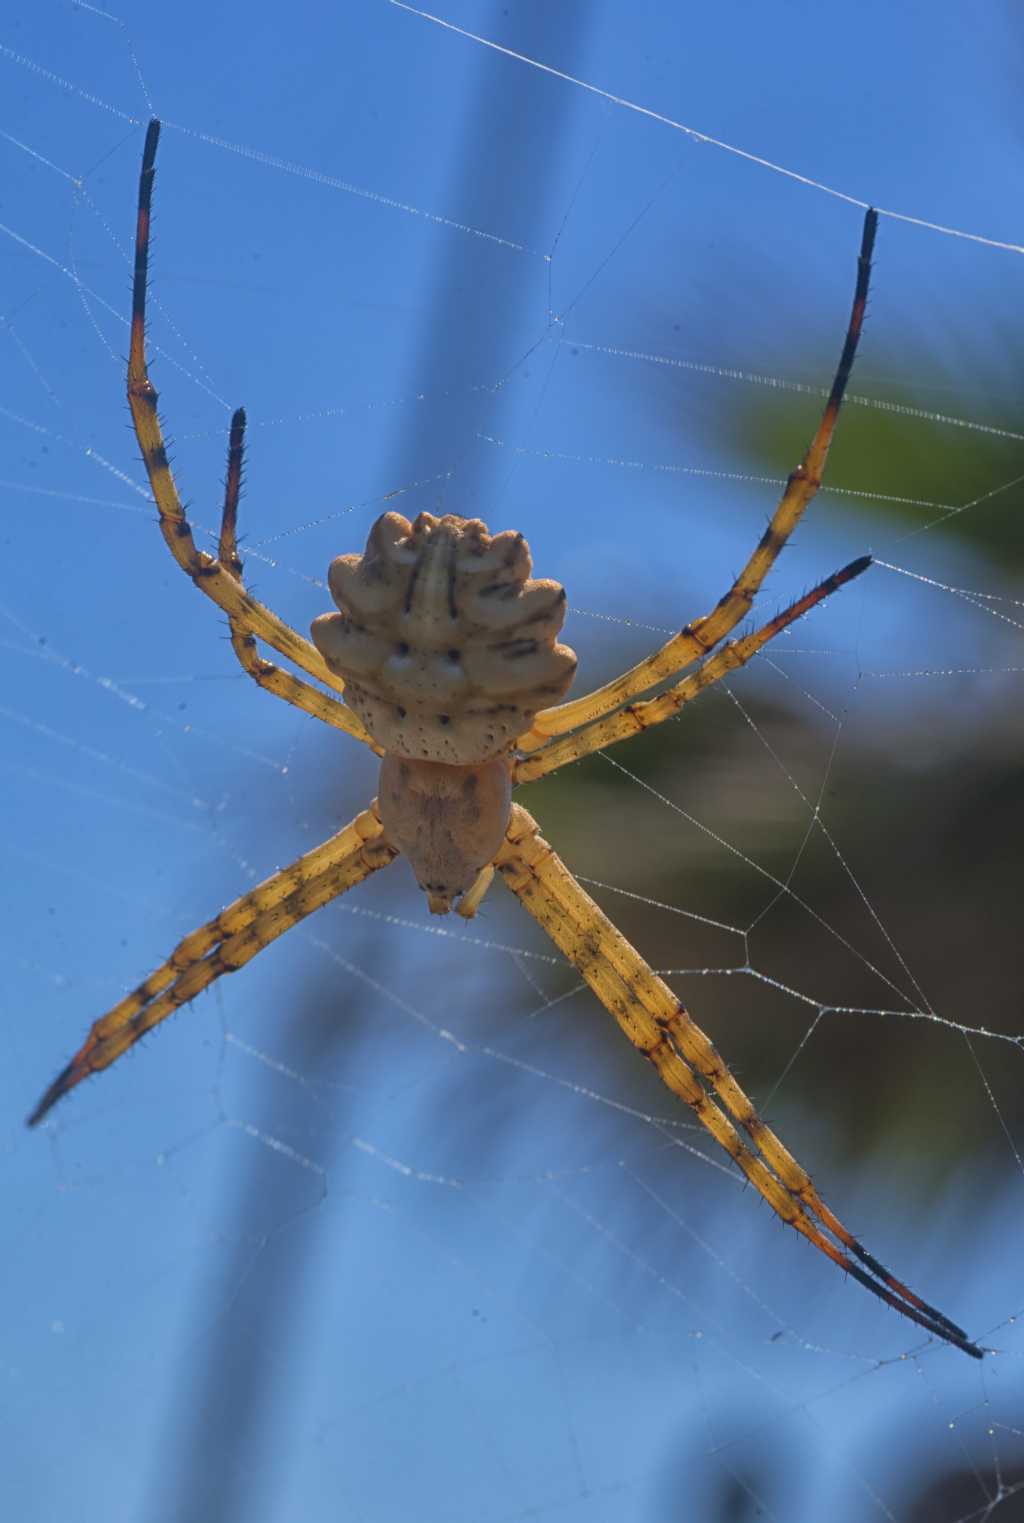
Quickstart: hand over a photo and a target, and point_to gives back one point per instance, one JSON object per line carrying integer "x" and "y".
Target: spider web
{"x": 395, "y": 1224}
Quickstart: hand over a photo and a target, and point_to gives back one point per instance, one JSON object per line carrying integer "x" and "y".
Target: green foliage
{"x": 915, "y": 470}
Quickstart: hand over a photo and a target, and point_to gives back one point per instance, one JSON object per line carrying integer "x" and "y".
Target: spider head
{"x": 449, "y": 821}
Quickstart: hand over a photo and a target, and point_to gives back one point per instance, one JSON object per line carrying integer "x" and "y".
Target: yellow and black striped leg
{"x": 216, "y": 579}
{"x": 273, "y": 678}
{"x": 635, "y": 717}
{"x": 226, "y": 943}
{"x": 661, "y": 1028}
{"x": 698, "y": 638}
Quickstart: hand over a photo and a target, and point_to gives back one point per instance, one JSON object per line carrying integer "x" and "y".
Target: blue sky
{"x": 439, "y": 1278}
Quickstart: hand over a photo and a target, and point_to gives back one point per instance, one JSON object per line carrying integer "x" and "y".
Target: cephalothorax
{"x": 443, "y": 658}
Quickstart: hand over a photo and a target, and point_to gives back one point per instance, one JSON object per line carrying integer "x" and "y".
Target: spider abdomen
{"x": 446, "y": 645}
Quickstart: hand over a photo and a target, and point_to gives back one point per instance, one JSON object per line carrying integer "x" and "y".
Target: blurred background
{"x": 395, "y": 1225}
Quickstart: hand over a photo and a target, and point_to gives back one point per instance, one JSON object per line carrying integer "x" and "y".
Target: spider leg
{"x": 698, "y": 638}
{"x": 687, "y": 1062}
{"x": 217, "y": 580}
{"x": 226, "y": 943}
{"x": 640, "y": 716}
{"x": 273, "y": 678}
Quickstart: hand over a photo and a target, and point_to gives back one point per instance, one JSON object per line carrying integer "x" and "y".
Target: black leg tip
{"x": 51, "y": 1096}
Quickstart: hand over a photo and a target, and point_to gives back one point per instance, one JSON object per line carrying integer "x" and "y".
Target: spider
{"x": 445, "y": 651}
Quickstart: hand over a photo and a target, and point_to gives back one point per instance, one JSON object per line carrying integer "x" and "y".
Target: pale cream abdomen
{"x": 446, "y": 645}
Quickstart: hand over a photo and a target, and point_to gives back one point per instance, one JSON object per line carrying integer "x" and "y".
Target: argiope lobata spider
{"x": 445, "y": 651}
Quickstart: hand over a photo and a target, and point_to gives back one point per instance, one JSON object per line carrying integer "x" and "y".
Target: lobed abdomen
{"x": 446, "y": 645}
